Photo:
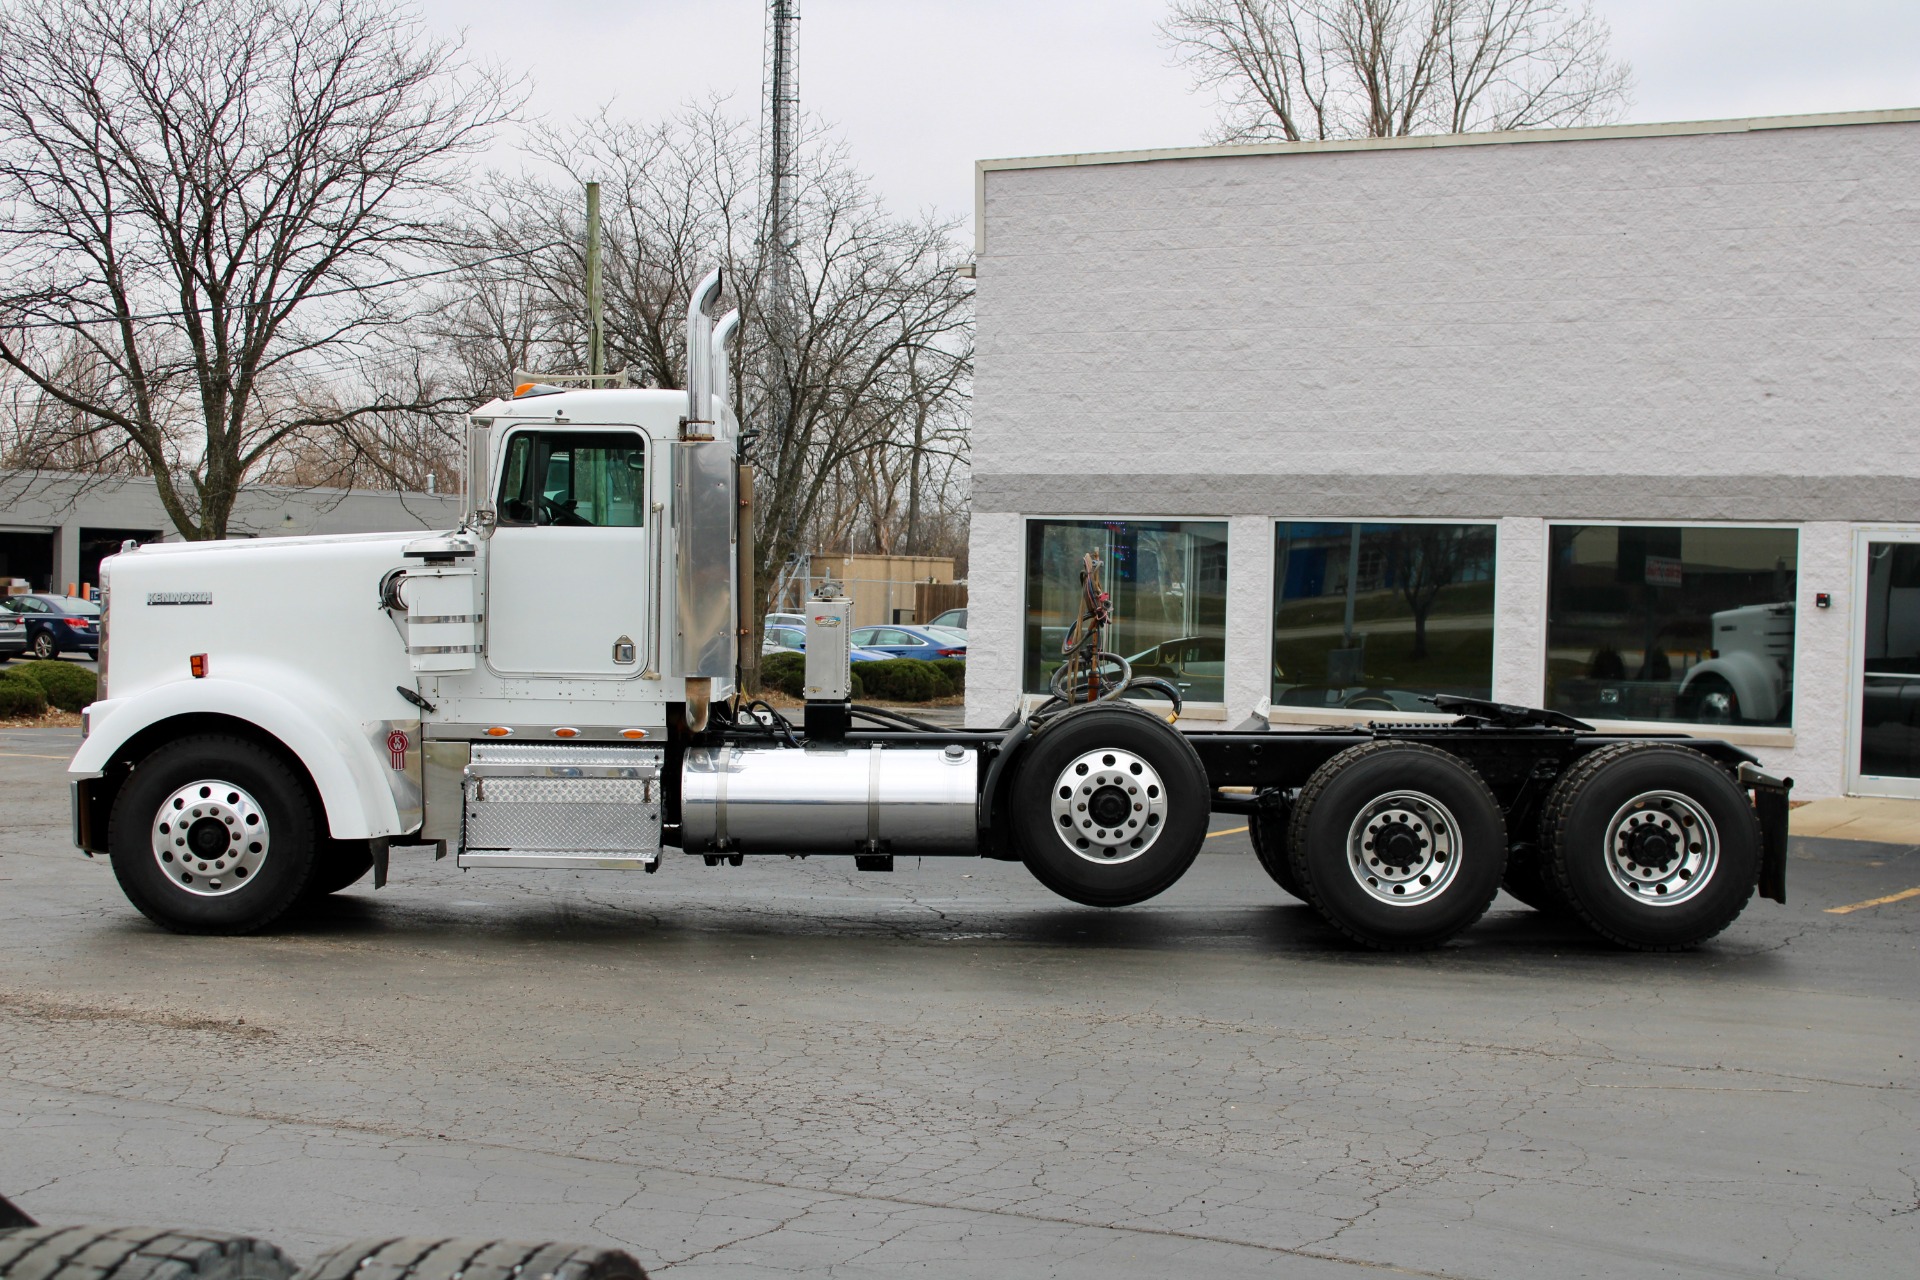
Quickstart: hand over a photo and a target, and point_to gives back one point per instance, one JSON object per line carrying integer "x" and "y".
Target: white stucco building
{"x": 1618, "y": 421}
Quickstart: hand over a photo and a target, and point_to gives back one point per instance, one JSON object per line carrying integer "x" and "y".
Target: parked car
{"x": 13, "y": 635}
{"x": 1197, "y": 665}
{"x": 956, "y": 619}
{"x": 785, "y": 620}
{"x": 58, "y": 624}
{"x": 784, "y": 639}
{"x": 909, "y": 642}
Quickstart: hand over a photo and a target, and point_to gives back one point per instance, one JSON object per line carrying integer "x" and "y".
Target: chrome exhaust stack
{"x": 704, "y": 641}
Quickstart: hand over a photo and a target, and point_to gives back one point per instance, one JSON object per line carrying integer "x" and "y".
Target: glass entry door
{"x": 1884, "y": 751}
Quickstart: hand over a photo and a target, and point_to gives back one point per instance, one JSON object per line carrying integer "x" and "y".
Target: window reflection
{"x": 1664, "y": 623}
{"x": 1168, "y": 581}
{"x": 1370, "y": 617}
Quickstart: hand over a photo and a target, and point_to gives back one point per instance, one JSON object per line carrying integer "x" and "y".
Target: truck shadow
{"x": 806, "y": 933}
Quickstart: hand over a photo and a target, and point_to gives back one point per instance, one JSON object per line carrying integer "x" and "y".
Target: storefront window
{"x": 1371, "y": 617}
{"x": 1664, "y": 623}
{"x": 1168, "y": 582}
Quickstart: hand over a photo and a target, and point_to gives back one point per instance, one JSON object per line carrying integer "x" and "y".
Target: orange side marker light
{"x": 198, "y": 665}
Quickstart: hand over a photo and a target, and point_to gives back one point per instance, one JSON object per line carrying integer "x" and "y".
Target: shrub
{"x": 20, "y": 697}
{"x": 787, "y": 672}
{"x": 902, "y": 679}
{"x": 955, "y": 671}
{"x": 66, "y": 686}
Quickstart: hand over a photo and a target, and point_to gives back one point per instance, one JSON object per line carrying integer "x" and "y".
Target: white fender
{"x": 338, "y": 755}
{"x": 1754, "y": 679}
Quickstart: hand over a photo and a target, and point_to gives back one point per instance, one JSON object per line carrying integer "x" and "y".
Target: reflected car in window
{"x": 58, "y": 624}
{"x": 910, "y": 642}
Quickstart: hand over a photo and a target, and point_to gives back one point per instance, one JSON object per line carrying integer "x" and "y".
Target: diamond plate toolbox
{"x": 564, "y": 799}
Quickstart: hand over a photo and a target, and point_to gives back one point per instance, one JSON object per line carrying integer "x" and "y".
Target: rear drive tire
{"x": 1654, "y": 846}
{"x": 440, "y": 1259}
{"x": 1109, "y": 805}
{"x": 1268, "y": 831}
{"x": 1398, "y": 845}
{"x": 213, "y": 834}
{"x": 137, "y": 1253}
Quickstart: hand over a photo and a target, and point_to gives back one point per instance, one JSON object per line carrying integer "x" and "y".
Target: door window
{"x": 576, "y": 478}
{"x": 1890, "y": 662}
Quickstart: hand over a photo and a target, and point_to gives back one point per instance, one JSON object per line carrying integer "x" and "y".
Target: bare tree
{"x": 1294, "y": 70}
{"x": 217, "y": 206}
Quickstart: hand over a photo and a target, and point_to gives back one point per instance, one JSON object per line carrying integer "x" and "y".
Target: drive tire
{"x": 137, "y": 1253}
{"x": 238, "y": 767}
{"x": 1143, "y": 752}
{"x": 1444, "y": 825}
{"x": 44, "y": 648}
{"x": 443, "y": 1259}
{"x": 1633, "y": 783}
{"x": 1267, "y": 830}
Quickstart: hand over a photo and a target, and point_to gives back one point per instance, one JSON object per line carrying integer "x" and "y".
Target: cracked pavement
{"x": 792, "y": 1067}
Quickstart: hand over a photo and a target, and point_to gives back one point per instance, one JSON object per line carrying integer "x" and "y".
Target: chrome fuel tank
{"x": 829, "y": 799}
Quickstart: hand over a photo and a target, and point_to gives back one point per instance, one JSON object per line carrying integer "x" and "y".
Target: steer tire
{"x": 1452, "y": 856}
{"x": 427, "y": 1258}
{"x": 1267, "y": 829}
{"x": 1155, "y": 793}
{"x": 137, "y": 1253}
{"x": 242, "y": 889}
{"x": 1652, "y": 905}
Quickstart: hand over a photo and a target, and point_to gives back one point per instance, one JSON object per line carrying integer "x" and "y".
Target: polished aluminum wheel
{"x": 210, "y": 837}
{"x": 1404, "y": 848}
{"x": 1109, "y": 806}
{"x": 1661, "y": 848}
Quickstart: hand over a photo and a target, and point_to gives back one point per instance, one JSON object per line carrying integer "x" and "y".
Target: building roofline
{"x": 1594, "y": 133}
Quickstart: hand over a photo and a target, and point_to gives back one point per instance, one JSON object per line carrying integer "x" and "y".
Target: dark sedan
{"x": 58, "y": 624}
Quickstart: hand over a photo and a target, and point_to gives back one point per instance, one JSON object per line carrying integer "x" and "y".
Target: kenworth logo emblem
{"x": 179, "y": 597}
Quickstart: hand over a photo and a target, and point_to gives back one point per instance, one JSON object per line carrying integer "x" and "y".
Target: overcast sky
{"x": 923, "y": 88}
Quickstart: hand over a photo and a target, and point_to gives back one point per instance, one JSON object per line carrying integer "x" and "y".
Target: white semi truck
{"x": 554, "y": 684}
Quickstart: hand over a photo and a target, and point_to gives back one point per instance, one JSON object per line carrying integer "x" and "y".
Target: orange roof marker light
{"x": 198, "y": 665}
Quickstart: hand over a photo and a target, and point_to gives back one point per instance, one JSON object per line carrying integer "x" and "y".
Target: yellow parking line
{"x": 1901, "y": 896}
{"x": 1229, "y": 831}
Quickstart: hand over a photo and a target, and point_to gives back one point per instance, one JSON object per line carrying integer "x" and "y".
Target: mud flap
{"x": 1770, "y": 801}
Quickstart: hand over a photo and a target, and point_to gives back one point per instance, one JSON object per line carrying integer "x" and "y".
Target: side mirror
{"x": 476, "y": 510}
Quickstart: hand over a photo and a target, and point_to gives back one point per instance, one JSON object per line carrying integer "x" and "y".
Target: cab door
{"x": 567, "y": 566}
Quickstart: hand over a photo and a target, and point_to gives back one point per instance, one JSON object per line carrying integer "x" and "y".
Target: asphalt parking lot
{"x": 795, "y": 1068}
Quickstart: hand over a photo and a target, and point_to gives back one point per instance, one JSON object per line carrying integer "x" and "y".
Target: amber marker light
{"x": 633, "y": 733}
{"x": 499, "y": 731}
{"x": 566, "y": 733}
{"x": 198, "y": 665}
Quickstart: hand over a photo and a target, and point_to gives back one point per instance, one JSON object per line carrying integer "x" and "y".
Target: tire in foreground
{"x": 1398, "y": 845}
{"x": 432, "y": 1258}
{"x": 1654, "y": 846}
{"x": 137, "y": 1253}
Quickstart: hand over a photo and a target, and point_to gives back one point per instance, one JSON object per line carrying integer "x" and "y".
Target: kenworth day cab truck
{"x": 554, "y": 684}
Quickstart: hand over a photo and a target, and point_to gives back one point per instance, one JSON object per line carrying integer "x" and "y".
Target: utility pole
{"x": 596, "y": 343}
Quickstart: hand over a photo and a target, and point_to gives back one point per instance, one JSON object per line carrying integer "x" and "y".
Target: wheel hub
{"x": 1403, "y": 848}
{"x": 1661, "y": 848}
{"x": 210, "y": 837}
{"x": 1109, "y": 806}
